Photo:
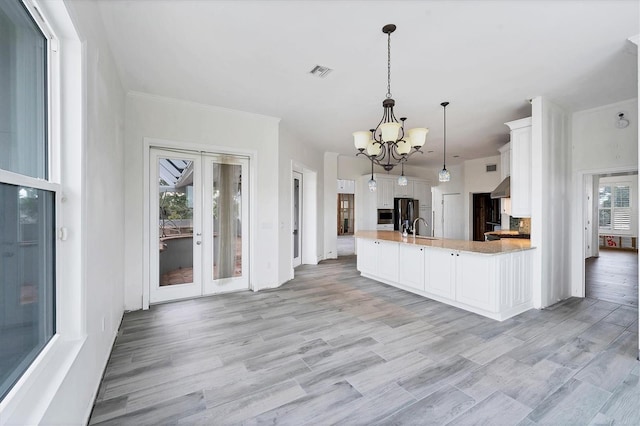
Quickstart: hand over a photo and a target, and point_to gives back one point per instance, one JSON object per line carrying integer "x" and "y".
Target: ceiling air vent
{"x": 320, "y": 71}
{"x": 492, "y": 167}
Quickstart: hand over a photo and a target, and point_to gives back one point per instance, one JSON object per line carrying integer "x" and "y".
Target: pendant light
{"x": 372, "y": 182}
{"x": 444, "y": 175}
{"x": 402, "y": 179}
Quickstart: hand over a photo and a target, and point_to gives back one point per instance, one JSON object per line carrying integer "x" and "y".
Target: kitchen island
{"x": 491, "y": 278}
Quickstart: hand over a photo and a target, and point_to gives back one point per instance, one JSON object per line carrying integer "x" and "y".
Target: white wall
{"x": 550, "y": 211}
{"x": 92, "y": 170}
{"x": 294, "y": 153}
{"x": 597, "y": 147}
{"x": 331, "y": 205}
{"x": 597, "y": 144}
{"x": 478, "y": 180}
{"x": 212, "y": 128}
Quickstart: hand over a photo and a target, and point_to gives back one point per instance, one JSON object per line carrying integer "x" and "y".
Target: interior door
{"x": 296, "y": 213}
{"x": 175, "y": 208}
{"x": 225, "y": 224}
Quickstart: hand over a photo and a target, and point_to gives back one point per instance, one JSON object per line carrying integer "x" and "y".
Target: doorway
{"x": 199, "y": 224}
{"x": 296, "y": 225}
{"x": 610, "y": 217}
{"x": 345, "y": 214}
{"x": 486, "y": 215}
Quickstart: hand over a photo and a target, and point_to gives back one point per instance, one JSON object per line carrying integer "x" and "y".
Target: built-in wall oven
{"x": 385, "y": 216}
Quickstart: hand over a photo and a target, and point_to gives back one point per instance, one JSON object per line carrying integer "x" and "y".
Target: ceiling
{"x": 485, "y": 57}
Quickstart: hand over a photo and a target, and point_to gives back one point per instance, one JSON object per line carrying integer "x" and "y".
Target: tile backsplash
{"x": 515, "y": 225}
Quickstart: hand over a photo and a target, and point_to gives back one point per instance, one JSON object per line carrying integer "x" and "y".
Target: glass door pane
{"x": 175, "y": 210}
{"x": 226, "y": 208}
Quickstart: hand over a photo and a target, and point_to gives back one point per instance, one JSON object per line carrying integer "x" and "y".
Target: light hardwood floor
{"x": 613, "y": 276}
{"x": 331, "y": 347}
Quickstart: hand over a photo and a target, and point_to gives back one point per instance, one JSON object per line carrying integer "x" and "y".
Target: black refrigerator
{"x": 405, "y": 210}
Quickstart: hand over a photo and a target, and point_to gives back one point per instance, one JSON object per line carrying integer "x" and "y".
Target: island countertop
{"x": 482, "y": 247}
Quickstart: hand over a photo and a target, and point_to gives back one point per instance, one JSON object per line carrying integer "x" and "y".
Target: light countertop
{"x": 482, "y": 247}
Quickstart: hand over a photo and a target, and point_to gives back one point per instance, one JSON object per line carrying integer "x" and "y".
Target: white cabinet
{"x": 387, "y": 260}
{"x": 440, "y": 271}
{"x": 406, "y": 191}
{"x": 475, "y": 280}
{"x": 412, "y": 266}
{"x": 520, "y": 167}
{"x": 497, "y": 286}
{"x": 366, "y": 259}
{"x": 378, "y": 258}
{"x": 384, "y": 192}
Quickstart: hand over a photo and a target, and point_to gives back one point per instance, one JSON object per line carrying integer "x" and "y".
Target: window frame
{"x": 51, "y": 184}
{"x": 611, "y": 230}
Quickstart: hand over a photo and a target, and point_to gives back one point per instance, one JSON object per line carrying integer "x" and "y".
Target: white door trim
{"x": 578, "y": 235}
{"x": 297, "y": 261}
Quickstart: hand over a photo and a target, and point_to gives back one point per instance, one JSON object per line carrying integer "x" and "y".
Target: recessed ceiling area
{"x": 487, "y": 58}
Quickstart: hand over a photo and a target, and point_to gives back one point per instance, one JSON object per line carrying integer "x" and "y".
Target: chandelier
{"x": 388, "y": 145}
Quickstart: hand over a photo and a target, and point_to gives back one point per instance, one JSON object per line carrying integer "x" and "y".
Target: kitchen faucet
{"x": 414, "y": 225}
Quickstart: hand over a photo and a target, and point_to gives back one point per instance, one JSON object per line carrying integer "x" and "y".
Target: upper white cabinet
{"x": 384, "y": 192}
{"x": 520, "y": 167}
{"x": 406, "y": 191}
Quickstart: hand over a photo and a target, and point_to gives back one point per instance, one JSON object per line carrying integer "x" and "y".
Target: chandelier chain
{"x": 389, "y": 66}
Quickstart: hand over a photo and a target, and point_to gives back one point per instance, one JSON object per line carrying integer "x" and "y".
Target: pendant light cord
{"x": 389, "y": 66}
{"x": 444, "y": 151}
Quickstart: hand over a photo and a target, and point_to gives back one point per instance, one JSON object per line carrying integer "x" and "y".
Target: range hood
{"x": 503, "y": 190}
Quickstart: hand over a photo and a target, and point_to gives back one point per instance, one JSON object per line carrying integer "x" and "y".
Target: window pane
{"x": 621, "y": 196}
{"x": 605, "y": 218}
{"x": 27, "y": 285}
{"x": 605, "y": 196}
{"x": 22, "y": 92}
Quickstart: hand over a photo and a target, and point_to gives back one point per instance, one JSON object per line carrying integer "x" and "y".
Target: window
{"x": 27, "y": 196}
{"x": 614, "y": 207}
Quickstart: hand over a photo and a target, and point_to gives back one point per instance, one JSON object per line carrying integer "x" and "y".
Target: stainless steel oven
{"x": 385, "y": 216}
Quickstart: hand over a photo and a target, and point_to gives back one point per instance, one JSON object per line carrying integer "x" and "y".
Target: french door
{"x": 199, "y": 224}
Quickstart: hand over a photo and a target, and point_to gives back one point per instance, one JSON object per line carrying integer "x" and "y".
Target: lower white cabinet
{"x": 497, "y": 286}
{"x": 440, "y": 267}
{"x": 387, "y": 260}
{"x": 378, "y": 258}
{"x": 367, "y": 255}
{"x": 411, "y": 265}
{"x": 475, "y": 280}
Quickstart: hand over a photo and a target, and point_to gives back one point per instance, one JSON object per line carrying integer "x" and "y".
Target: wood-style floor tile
{"x": 332, "y": 347}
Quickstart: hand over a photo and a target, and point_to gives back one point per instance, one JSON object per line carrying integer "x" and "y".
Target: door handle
{"x": 198, "y": 242}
